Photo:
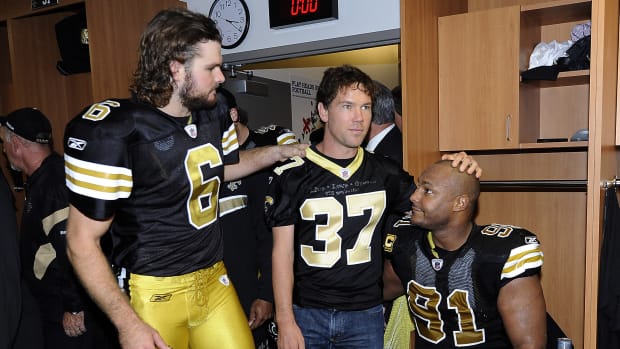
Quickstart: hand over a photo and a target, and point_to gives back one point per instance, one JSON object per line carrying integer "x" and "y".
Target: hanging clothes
{"x": 609, "y": 282}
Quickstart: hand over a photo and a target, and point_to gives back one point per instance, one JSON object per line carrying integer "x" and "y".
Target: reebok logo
{"x": 161, "y": 297}
{"x": 76, "y": 144}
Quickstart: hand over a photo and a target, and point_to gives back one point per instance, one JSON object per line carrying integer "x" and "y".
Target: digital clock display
{"x": 288, "y": 13}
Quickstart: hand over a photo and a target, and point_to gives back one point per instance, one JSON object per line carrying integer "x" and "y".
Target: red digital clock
{"x": 288, "y": 13}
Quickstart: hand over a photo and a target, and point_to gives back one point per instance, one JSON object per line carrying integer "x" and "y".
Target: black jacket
{"x": 45, "y": 266}
{"x": 392, "y": 146}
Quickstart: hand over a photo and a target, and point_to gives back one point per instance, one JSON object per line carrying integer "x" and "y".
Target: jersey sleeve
{"x": 230, "y": 143}
{"x": 400, "y": 185}
{"x": 524, "y": 259}
{"x": 273, "y": 134}
{"x": 394, "y": 226}
{"x": 280, "y": 207}
{"x": 523, "y": 256}
{"x": 97, "y": 168}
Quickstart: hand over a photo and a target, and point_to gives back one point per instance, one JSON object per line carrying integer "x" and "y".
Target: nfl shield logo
{"x": 437, "y": 263}
{"x": 191, "y": 130}
{"x": 344, "y": 173}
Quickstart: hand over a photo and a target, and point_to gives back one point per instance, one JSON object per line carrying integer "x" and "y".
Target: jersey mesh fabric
{"x": 469, "y": 280}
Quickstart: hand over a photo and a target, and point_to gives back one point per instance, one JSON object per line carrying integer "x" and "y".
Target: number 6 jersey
{"x": 338, "y": 209}
{"x": 453, "y": 294}
{"x": 158, "y": 175}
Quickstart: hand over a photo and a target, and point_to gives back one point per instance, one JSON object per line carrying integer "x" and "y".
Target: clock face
{"x": 232, "y": 18}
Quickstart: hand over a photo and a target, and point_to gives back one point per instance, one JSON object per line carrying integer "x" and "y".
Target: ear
{"x": 461, "y": 202}
{"x": 177, "y": 71}
{"x": 323, "y": 113}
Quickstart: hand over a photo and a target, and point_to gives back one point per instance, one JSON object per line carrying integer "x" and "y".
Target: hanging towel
{"x": 609, "y": 282}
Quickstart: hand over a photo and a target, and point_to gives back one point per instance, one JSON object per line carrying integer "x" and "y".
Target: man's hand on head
{"x": 464, "y": 162}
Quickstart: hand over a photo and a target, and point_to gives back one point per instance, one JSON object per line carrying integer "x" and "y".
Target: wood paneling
{"x": 419, "y": 67}
{"x": 555, "y": 219}
{"x": 569, "y": 224}
{"x": 478, "y": 58}
{"x": 534, "y": 166}
{"x": 602, "y": 154}
{"x": 29, "y": 53}
{"x": 36, "y": 81}
{"x": 114, "y": 53}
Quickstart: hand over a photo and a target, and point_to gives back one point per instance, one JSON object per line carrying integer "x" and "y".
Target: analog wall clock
{"x": 232, "y": 18}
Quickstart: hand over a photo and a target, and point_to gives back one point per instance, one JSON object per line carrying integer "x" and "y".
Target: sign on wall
{"x": 303, "y": 107}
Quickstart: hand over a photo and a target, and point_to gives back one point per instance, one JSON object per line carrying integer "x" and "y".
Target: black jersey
{"x": 338, "y": 212}
{"x": 159, "y": 177}
{"x": 453, "y": 296}
{"x": 247, "y": 241}
{"x": 45, "y": 266}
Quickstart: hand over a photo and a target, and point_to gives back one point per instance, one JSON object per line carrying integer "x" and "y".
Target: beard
{"x": 190, "y": 99}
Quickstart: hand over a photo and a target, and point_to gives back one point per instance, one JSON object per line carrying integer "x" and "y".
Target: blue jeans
{"x": 340, "y": 329}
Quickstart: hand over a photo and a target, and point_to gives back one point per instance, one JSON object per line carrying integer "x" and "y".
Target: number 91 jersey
{"x": 338, "y": 209}
{"x": 453, "y": 296}
{"x": 158, "y": 175}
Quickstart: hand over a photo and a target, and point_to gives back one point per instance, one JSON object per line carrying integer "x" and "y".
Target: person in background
{"x": 247, "y": 241}
{"x": 383, "y": 136}
{"x": 397, "y": 95}
{"x": 386, "y": 139}
{"x": 148, "y": 170}
{"x": 10, "y": 290}
{"x": 69, "y": 318}
{"x": 327, "y": 213}
{"x": 467, "y": 285}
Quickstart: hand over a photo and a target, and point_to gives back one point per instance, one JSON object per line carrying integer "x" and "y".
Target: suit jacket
{"x": 392, "y": 146}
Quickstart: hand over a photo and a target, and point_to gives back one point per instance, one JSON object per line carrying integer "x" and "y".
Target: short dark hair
{"x": 383, "y": 105}
{"x": 337, "y": 78}
{"x": 171, "y": 35}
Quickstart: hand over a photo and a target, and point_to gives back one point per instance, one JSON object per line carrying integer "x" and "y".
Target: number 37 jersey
{"x": 338, "y": 211}
{"x": 158, "y": 176}
{"x": 453, "y": 295}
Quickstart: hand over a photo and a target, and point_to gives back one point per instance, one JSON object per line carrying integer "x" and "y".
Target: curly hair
{"x": 336, "y": 79}
{"x": 172, "y": 35}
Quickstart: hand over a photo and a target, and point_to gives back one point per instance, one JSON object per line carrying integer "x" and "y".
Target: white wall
{"x": 387, "y": 74}
{"x": 354, "y": 17}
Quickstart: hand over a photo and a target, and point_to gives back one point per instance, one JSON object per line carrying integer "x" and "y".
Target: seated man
{"x": 467, "y": 285}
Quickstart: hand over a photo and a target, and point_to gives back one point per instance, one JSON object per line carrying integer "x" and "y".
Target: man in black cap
{"x": 67, "y": 314}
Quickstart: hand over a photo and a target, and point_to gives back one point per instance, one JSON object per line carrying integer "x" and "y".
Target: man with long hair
{"x": 148, "y": 170}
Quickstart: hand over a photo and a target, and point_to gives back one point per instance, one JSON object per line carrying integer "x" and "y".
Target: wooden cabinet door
{"x": 479, "y": 80}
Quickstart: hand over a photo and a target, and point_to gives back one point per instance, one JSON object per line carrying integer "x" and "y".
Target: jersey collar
{"x": 343, "y": 173}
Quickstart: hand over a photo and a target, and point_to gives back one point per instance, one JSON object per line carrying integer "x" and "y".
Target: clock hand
{"x": 232, "y": 23}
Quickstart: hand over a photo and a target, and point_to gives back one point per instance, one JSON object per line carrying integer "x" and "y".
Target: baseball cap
{"x": 29, "y": 123}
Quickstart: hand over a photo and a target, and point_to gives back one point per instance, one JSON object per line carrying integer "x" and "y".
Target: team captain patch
{"x": 388, "y": 244}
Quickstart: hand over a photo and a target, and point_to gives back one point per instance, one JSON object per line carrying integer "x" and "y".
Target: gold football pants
{"x": 197, "y": 310}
